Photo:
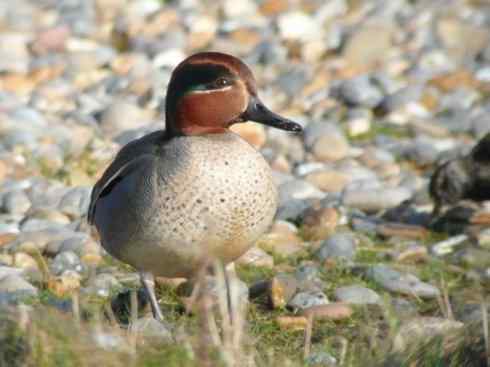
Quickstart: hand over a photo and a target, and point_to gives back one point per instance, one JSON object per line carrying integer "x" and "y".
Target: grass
{"x": 51, "y": 336}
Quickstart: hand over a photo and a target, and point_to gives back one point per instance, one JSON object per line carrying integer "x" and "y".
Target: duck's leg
{"x": 148, "y": 281}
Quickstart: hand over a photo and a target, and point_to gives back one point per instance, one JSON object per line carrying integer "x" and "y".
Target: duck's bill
{"x": 256, "y": 111}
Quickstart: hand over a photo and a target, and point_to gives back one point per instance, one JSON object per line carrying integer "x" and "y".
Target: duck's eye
{"x": 222, "y": 82}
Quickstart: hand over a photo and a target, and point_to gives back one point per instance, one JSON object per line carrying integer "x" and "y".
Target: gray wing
{"x": 126, "y": 160}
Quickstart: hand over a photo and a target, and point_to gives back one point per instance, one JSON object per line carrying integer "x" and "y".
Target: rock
{"x": 152, "y": 330}
{"x": 14, "y": 54}
{"x": 328, "y": 180}
{"x": 298, "y": 189}
{"x": 14, "y": 288}
{"x": 358, "y": 295}
{"x": 332, "y": 311}
{"x": 413, "y": 253}
{"x": 251, "y": 132}
{"x": 233, "y": 9}
{"x": 319, "y": 223}
{"x": 75, "y": 202}
{"x": 374, "y": 200}
{"x": 305, "y": 300}
{"x": 448, "y": 246}
{"x": 16, "y": 202}
{"x": 360, "y": 49}
{"x": 331, "y": 148}
{"x": 360, "y": 91}
{"x": 403, "y": 283}
{"x": 462, "y": 40}
{"x": 341, "y": 246}
{"x": 120, "y": 116}
{"x": 64, "y": 261}
{"x": 292, "y": 323}
{"x": 256, "y": 257}
{"x": 427, "y": 328}
{"x": 282, "y": 288}
{"x": 51, "y": 40}
{"x": 298, "y": 26}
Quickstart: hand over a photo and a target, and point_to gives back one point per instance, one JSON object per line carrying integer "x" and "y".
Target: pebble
{"x": 404, "y": 283}
{"x": 293, "y": 323}
{"x": 341, "y": 246}
{"x": 256, "y": 257}
{"x": 332, "y": 311}
{"x": 64, "y": 261}
{"x": 355, "y": 294}
{"x": 360, "y": 91}
{"x": 16, "y": 202}
{"x": 14, "y": 288}
{"x": 305, "y": 300}
{"x": 282, "y": 288}
{"x": 376, "y": 199}
{"x": 330, "y": 148}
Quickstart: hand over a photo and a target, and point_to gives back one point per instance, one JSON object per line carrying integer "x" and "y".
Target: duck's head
{"x": 210, "y": 91}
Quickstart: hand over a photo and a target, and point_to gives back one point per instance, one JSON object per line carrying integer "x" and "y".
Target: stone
{"x": 14, "y": 53}
{"x": 328, "y": 180}
{"x": 16, "y": 202}
{"x": 298, "y": 26}
{"x": 360, "y": 91}
{"x": 104, "y": 285}
{"x": 292, "y": 323}
{"x": 256, "y": 257}
{"x": 318, "y": 223}
{"x": 374, "y": 200}
{"x": 64, "y": 261}
{"x": 14, "y": 288}
{"x": 331, "y": 148}
{"x": 358, "y": 295}
{"x": 51, "y": 40}
{"x": 120, "y": 116}
{"x": 360, "y": 49}
{"x": 341, "y": 246}
{"x": 251, "y": 132}
{"x": 282, "y": 288}
{"x": 403, "y": 283}
{"x": 65, "y": 284}
{"x": 332, "y": 311}
{"x": 298, "y": 189}
{"x": 305, "y": 300}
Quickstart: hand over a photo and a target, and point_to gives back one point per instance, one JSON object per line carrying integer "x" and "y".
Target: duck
{"x": 465, "y": 177}
{"x": 175, "y": 198}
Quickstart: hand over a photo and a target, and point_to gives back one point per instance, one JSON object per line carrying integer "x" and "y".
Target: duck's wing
{"x": 129, "y": 158}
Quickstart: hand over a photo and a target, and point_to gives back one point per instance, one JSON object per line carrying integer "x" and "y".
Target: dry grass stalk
{"x": 308, "y": 332}
{"x": 484, "y": 311}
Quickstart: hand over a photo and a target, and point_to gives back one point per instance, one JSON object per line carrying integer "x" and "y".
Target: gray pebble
{"x": 307, "y": 299}
{"x": 357, "y": 294}
{"x": 16, "y": 202}
{"x": 67, "y": 260}
{"x": 403, "y": 283}
{"x": 360, "y": 91}
{"x": 374, "y": 200}
{"x": 338, "y": 246}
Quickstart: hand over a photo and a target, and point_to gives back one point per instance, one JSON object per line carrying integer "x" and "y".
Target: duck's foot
{"x": 148, "y": 281}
